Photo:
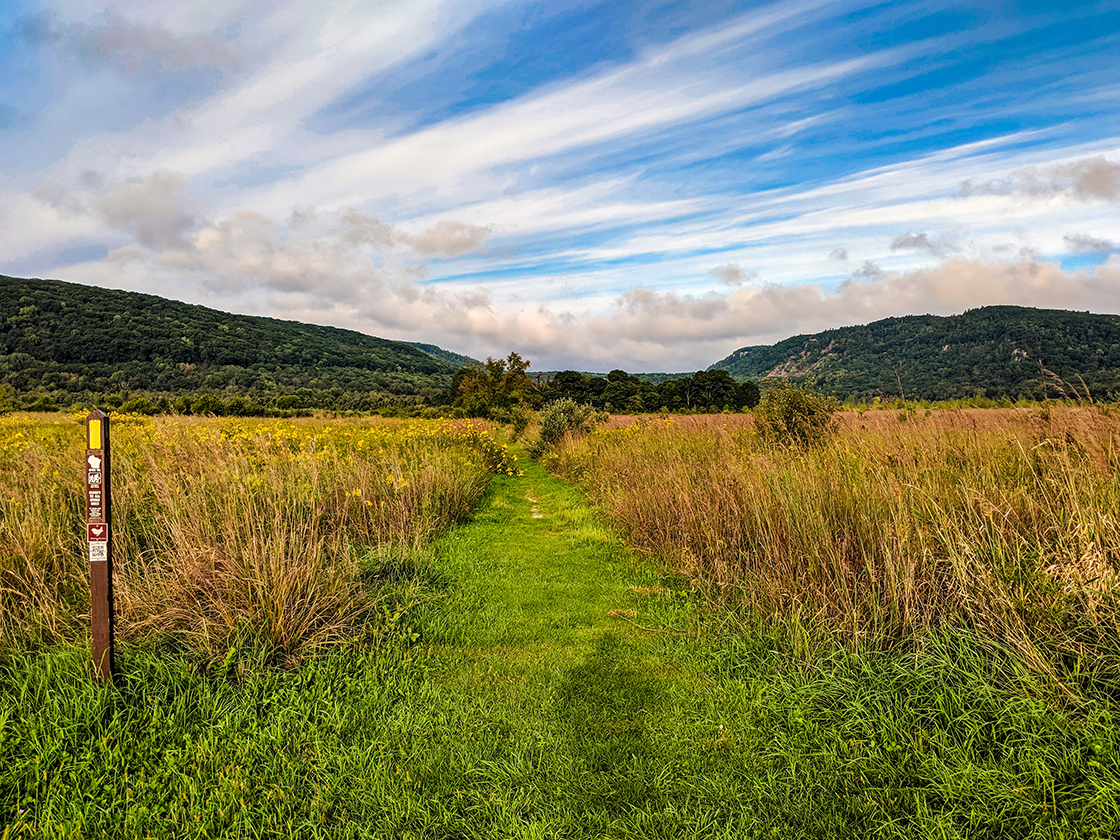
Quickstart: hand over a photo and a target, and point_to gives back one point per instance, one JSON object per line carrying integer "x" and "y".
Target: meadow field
{"x": 382, "y": 628}
{"x": 1001, "y": 522}
{"x": 224, "y": 527}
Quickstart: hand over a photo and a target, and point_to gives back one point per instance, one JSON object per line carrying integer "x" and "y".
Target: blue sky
{"x": 646, "y": 185}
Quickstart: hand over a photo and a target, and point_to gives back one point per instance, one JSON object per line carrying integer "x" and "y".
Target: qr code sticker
{"x": 98, "y": 551}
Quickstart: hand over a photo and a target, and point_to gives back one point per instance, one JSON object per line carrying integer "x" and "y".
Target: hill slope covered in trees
{"x": 458, "y": 360}
{"x": 67, "y": 343}
{"x": 994, "y": 351}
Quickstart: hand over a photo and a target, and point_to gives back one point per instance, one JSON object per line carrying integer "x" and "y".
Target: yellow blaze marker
{"x": 95, "y": 434}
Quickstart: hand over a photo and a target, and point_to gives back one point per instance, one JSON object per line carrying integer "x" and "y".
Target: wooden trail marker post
{"x": 99, "y": 537}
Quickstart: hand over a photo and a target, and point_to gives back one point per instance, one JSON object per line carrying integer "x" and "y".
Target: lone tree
{"x": 499, "y": 390}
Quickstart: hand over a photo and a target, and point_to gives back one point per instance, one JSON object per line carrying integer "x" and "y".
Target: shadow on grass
{"x": 399, "y": 565}
{"x": 604, "y": 705}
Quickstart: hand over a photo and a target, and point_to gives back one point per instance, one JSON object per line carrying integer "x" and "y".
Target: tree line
{"x": 503, "y": 389}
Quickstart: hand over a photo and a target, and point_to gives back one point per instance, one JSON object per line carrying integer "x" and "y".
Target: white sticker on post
{"x": 98, "y": 538}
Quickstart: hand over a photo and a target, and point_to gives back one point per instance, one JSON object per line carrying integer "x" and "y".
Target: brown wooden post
{"x": 99, "y": 535}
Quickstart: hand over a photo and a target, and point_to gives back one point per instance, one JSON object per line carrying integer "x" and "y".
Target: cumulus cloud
{"x": 447, "y": 239}
{"x": 301, "y": 216}
{"x": 155, "y": 209}
{"x": 643, "y": 303}
{"x": 868, "y": 271}
{"x": 732, "y": 274}
{"x": 839, "y": 254}
{"x": 362, "y": 229}
{"x": 160, "y": 214}
{"x": 330, "y": 276}
{"x": 912, "y": 242}
{"x": 644, "y": 328}
{"x": 1090, "y": 179}
{"x": 63, "y": 201}
{"x": 919, "y": 242}
{"x": 1083, "y": 243}
{"x": 135, "y": 47}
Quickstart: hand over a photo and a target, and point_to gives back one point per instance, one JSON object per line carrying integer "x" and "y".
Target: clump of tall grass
{"x": 226, "y": 529}
{"x": 1006, "y": 524}
{"x": 791, "y": 416}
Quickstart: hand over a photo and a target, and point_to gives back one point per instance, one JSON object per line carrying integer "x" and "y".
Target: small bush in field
{"x": 562, "y": 417}
{"x": 792, "y": 416}
{"x": 519, "y": 420}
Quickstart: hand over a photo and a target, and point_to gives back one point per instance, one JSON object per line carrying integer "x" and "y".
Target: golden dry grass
{"x": 225, "y": 527}
{"x": 1003, "y": 521}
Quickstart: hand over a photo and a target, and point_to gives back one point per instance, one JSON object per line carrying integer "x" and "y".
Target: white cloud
{"x": 1084, "y": 243}
{"x": 156, "y": 209}
{"x": 732, "y": 274}
{"x": 666, "y": 86}
{"x": 1091, "y": 179}
{"x": 365, "y": 230}
{"x": 446, "y": 238}
{"x": 919, "y": 242}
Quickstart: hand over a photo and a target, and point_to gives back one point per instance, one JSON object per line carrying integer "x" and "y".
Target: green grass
{"x": 501, "y": 698}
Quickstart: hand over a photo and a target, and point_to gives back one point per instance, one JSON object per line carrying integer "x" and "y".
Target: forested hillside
{"x": 457, "y": 360}
{"x": 64, "y": 343}
{"x": 994, "y": 351}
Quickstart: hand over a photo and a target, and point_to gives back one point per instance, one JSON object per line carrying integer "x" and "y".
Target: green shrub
{"x": 43, "y": 403}
{"x": 795, "y": 416}
{"x": 138, "y": 405}
{"x": 560, "y": 418}
{"x": 519, "y": 417}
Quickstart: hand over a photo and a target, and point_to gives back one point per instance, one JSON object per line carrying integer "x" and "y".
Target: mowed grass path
{"x": 564, "y": 698}
{"x": 561, "y": 716}
{"x": 544, "y": 682}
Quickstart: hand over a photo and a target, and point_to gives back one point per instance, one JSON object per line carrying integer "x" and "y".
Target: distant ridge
{"x": 67, "y": 339}
{"x": 993, "y": 351}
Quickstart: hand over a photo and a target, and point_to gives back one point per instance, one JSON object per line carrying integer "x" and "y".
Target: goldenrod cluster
{"x": 354, "y": 437}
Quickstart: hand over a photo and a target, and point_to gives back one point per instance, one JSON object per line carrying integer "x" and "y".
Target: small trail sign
{"x": 99, "y": 538}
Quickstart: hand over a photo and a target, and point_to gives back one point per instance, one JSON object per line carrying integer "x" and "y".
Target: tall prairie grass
{"x": 226, "y": 529}
{"x": 1001, "y": 522}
